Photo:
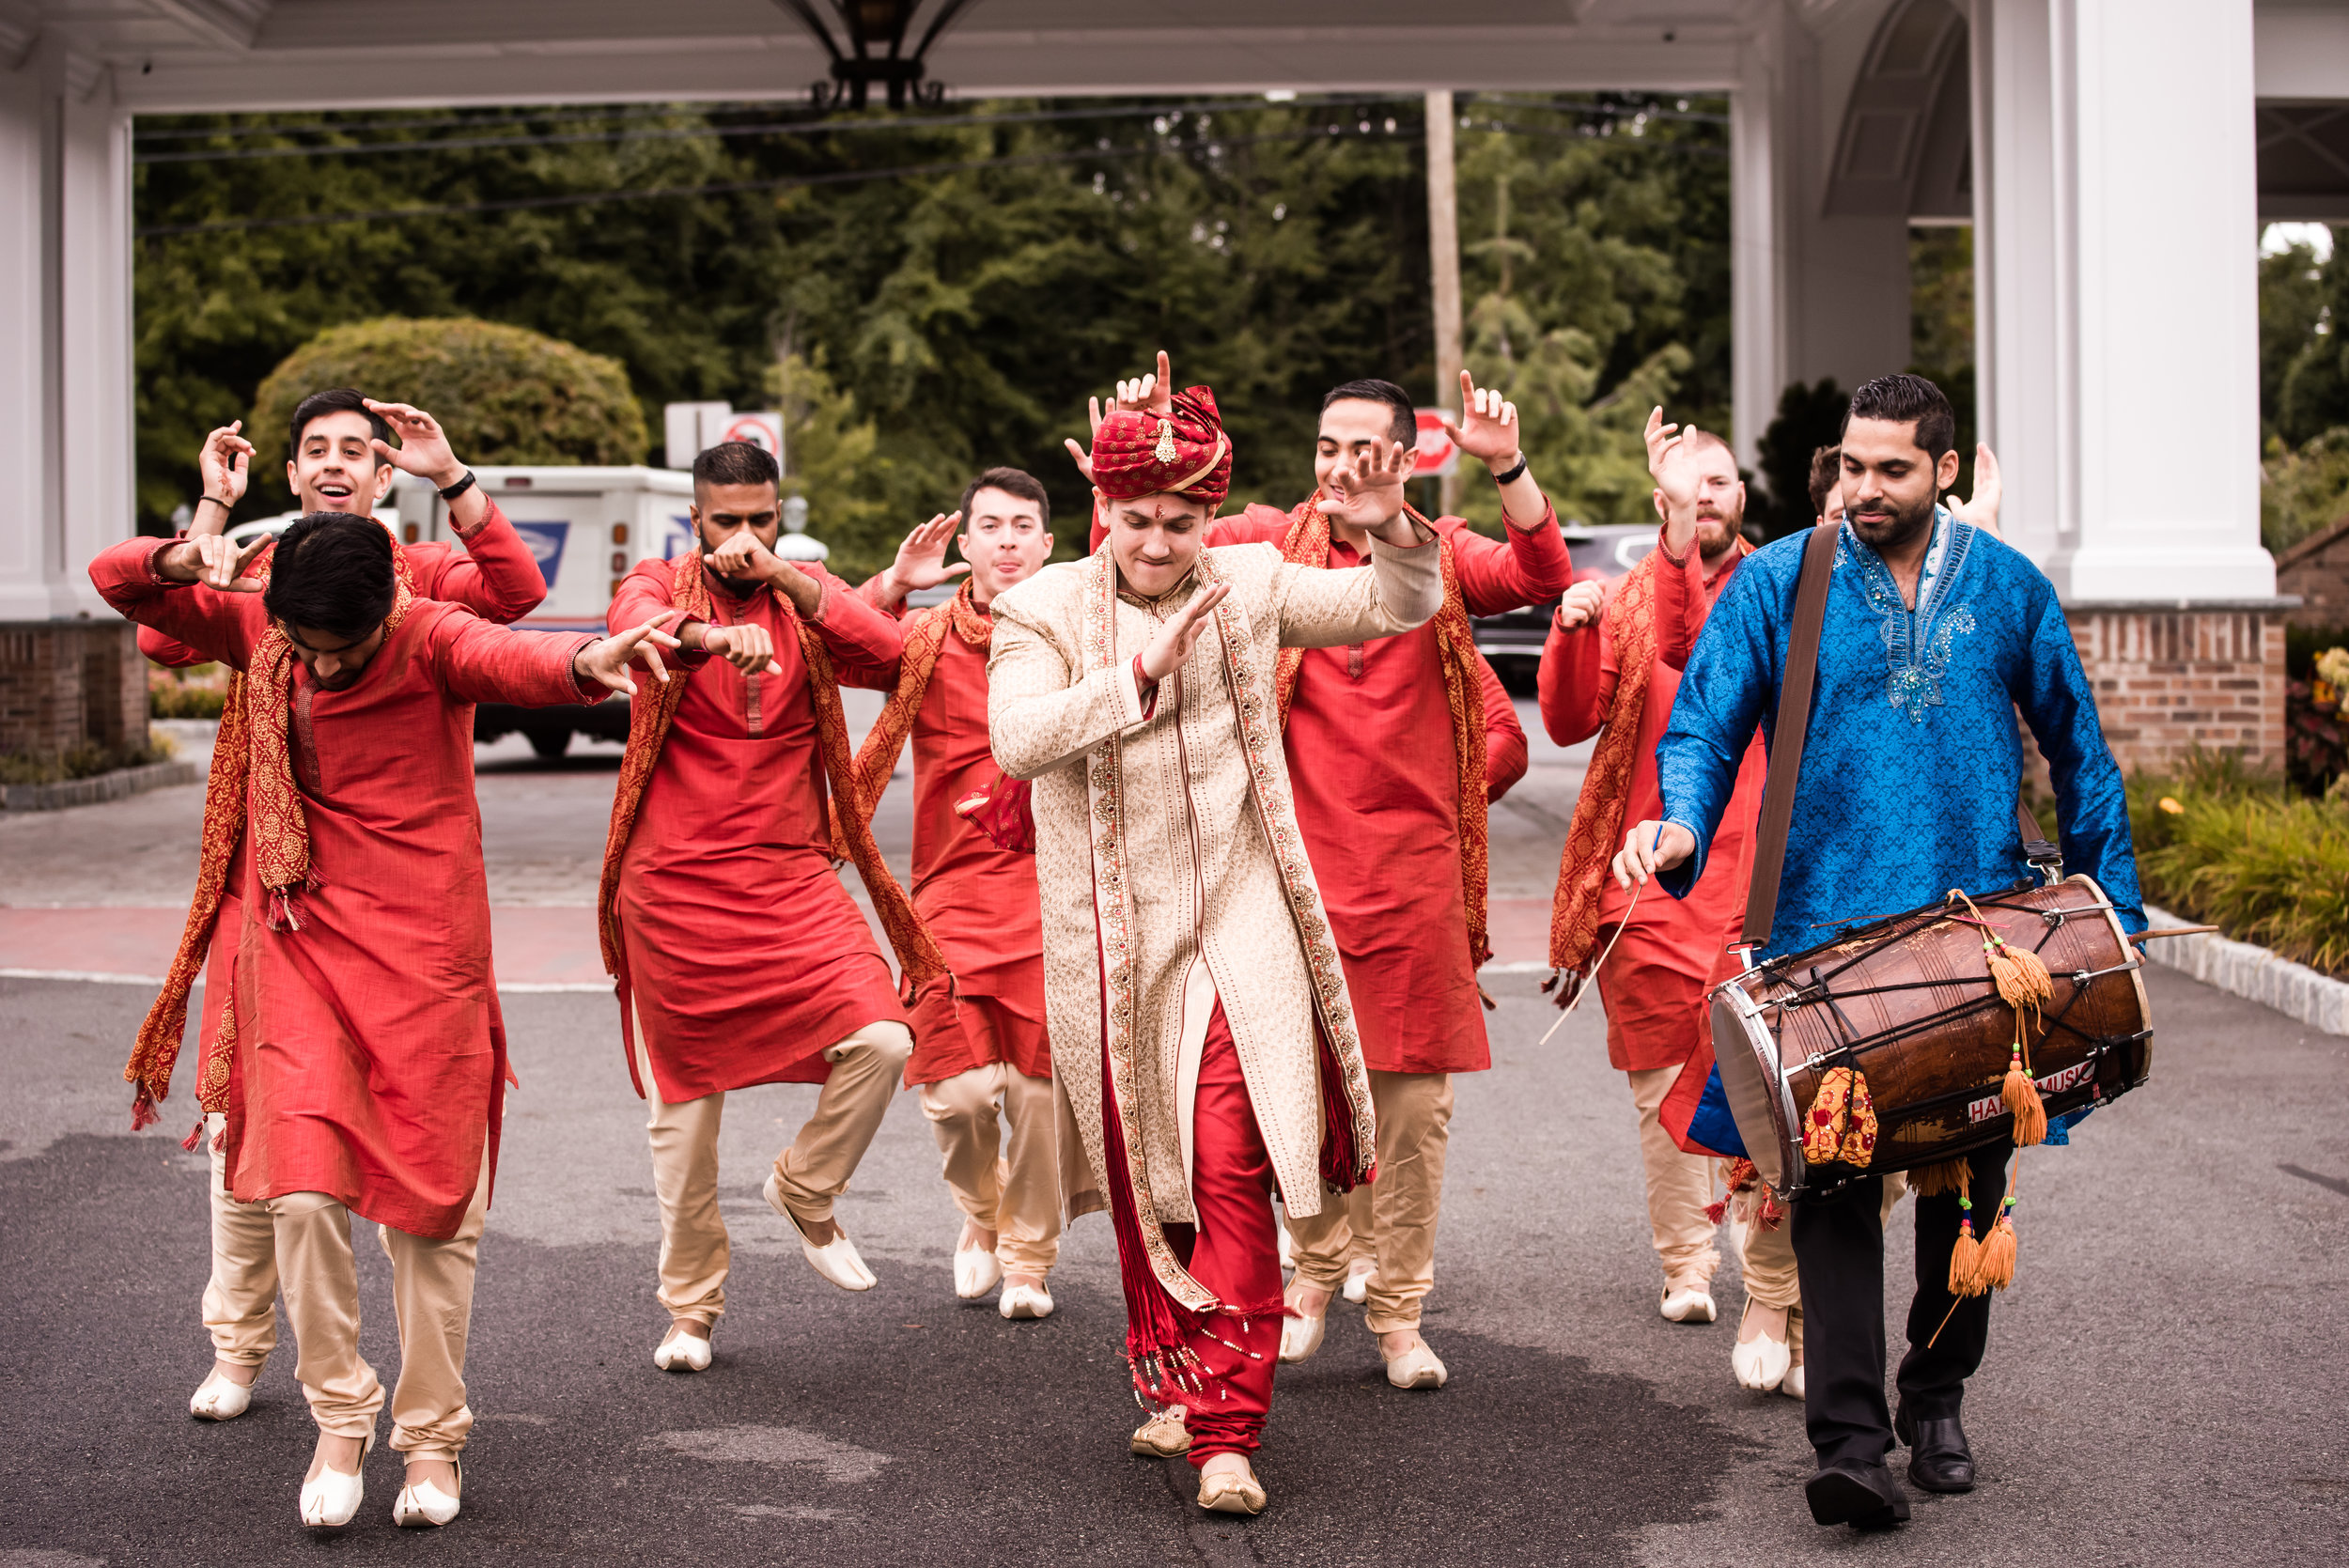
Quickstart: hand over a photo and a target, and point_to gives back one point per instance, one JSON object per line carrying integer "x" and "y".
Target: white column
{"x": 65, "y": 333}
{"x": 1758, "y": 326}
{"x": 2119, "y": 328}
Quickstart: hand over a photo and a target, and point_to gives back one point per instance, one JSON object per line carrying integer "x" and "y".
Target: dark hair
{"x": 1826, "y": 467}
{"x": 337, "y": 400}
{"x": 1906, "y": 399}
{"x": 332, "y": 570}
{"x": 1011, "y": 481}
{"x": 1406, "y": 426}
{"x": 735, "y": 462}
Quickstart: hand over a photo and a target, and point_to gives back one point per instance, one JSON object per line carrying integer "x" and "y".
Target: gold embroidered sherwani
{"x": 1168, "y": 862}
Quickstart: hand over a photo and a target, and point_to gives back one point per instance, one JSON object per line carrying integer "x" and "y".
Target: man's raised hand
{"x": 1662, "y": 441}
{"x": 1366, "y": 492}
{"x": 423, "y": 448}
{"x": 1149, "y": 392}
{"x": 606, "y": 660}
{"x": 1171, "y": 648}
{"x": 921, "y": 561}
{"x": 223, "y": 463}
{"x": 210, "y": 560}
{"x": 1579, "y": 605}
{"x": 748, "y": 648}
{"x": 1981, "y": 507}
{"x": 1487, "y": 431}
{"x": 1650, "y": 847}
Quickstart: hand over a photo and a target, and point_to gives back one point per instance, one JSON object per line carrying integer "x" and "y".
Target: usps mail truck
{"x": 587, "y": 527}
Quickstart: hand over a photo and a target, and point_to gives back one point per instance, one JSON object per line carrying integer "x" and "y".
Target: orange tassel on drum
{"x": 2022, "y": 1097}
{"x": 1995, "y": 1267}
{"x": 1949, "y": 1175}
{"x": 1966, "y": 1256}
{"x": 2024, "y": 985}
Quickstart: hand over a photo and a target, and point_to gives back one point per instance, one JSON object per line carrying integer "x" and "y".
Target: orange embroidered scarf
{"x": 1307, "y": 544}
{"x": 156, "y": 1050}
{"x": 654, "y": 710}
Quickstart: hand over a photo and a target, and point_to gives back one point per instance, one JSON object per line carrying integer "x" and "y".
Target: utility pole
{"x": 1443, "y": 247}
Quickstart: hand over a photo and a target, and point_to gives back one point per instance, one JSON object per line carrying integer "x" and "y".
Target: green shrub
{"x": 82, "y": 762}
{"x": 2305, "y": 490}
{"x": 195, "y": 693}
{"x": 2244, "y": 850}
{"x": 503, "y": 395}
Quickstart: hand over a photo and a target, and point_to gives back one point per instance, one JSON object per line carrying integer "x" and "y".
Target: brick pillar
{"x": 2168, "y": 680}
{"x": 68, "y": 684}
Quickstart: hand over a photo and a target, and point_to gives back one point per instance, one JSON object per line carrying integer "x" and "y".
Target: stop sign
{"x": 1436, "y": 457}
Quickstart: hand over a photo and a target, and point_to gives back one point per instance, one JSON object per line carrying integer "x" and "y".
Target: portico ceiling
{"x": 167, "y": 55}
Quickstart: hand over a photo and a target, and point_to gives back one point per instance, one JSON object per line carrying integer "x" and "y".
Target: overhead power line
{"x": 771, "y": 127}
{"x": 734, "y": 187}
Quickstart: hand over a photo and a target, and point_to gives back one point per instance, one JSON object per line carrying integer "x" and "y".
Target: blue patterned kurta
{"x": 1911, "y": 763}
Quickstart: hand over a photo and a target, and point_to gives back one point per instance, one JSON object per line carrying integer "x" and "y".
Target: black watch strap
{"x": 459, "y": 488}
{"x": 1510, "y": 477}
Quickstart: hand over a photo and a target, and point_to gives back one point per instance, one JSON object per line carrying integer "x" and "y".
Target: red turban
{"x": 1136, "y": 454}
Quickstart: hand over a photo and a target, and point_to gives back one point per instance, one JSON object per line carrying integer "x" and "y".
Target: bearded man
{"x": 1611, "y": 667}
{"x": 1934, "y": 635}
{"x": 342, "y": 462}
{"x": 369, "y": 1068}
{"x": 1203, "y": 1041}
{"x": 978, "y": 1041}
{"x": 1398, "y": 745}
{"x": 721, "y": 844}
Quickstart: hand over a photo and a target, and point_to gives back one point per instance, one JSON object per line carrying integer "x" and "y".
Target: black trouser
{"x": 1839, "y": 1253}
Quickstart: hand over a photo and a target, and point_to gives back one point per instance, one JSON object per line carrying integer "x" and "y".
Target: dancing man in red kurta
{"x": 1612, "y": 664}
{"x": 368, "y": 1067}
{"x": 981, "y": 1040}
{"x": 1396, "y": 747}
{"x": 741, "y": 958}
{"x": 342, "y": 461}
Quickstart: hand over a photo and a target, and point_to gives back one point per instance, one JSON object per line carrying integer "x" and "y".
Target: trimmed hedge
{"x": 503, "y": 395}
{"x": 2248, "y": 853}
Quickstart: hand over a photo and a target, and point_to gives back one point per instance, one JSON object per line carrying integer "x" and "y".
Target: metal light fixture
{"x": 874, "y": 48}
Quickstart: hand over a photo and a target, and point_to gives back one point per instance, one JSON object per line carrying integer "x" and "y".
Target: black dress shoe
{"x": 1864, "y": 1496}
{"x": 1939, "y": 1458}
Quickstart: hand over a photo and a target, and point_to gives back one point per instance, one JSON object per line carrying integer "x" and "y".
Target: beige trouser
{"x": 1766, "y": 1259}
{"x": 1414, "y": 1112}
{"x": 241, "y": 1298}
{"x": 1017, "y": 1193}
{"x": 811, "y": 1173}
{"x": 1679, "y": 1186}
{"x": 431, "y": 1297}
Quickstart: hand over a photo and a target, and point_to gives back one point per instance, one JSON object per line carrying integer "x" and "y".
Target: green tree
{"x": 2292, "y": 314}
{"x": 504, "y": 394}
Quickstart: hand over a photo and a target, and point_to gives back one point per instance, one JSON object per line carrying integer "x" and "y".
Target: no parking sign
{"x": 1437, "y": 457}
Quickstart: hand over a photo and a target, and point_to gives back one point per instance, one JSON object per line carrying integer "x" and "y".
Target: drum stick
{"x": 1625, "y": 924}
{"x": 2172, "y": 931}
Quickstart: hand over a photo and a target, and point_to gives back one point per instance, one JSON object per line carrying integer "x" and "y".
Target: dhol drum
{"x": 1911, "y": 1004}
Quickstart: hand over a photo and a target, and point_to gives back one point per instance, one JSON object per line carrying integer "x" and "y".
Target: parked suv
{"x": 1513, "y": 641}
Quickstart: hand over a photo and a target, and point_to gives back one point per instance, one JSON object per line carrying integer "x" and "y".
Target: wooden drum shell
{"x": 1909, "y": 1003}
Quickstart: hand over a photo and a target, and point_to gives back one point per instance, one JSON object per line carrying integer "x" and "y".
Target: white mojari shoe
{"x": 682, "y": 1351}
{"x": 839, "y": 1261}
{"x": 424, "y": 1505}
{"x": 1761, "y": 1364}
{"x": 977, "y": 1270}
{"x": 1231, "y": 1492}
{"x": 1416, "y": 1368}
{"x": 1358, "y": 1275}
{"x": 220, "y": 1399}
{"x": 1689, "y": 1304}
{"x": 1163, "y": 1435}
{"x": 1791, "y": 1385}
{"x": 332, "y": 1499}
{"x": 1025, "y": 1301}
{"x": 1300, "y": 1335}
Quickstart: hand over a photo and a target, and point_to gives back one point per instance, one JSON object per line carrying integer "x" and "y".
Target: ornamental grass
{"x": 2245, "y": 851}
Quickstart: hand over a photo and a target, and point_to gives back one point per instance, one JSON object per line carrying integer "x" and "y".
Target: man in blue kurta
{"x": 1935, "y": 634}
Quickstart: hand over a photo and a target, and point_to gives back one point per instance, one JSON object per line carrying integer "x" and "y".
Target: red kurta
{"x": 1369, "y": 746}
{"x": 496, "y": 578}
{"x": 978, "y": 900}
{"x": 744, "y": 959}
{"x": 1653, "y": 982}
{"x": 370, "y": 1050}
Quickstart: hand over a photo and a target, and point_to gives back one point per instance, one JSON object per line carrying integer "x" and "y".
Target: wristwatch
{"x": 459, "y": 488}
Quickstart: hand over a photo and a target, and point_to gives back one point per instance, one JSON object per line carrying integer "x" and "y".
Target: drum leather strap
{"x": 1786, "y": 739}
